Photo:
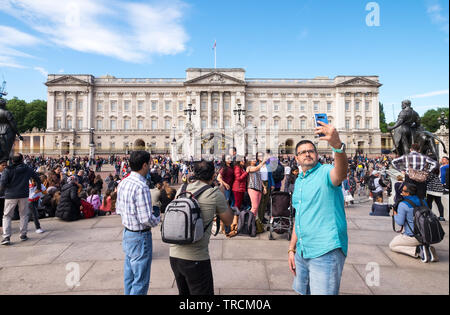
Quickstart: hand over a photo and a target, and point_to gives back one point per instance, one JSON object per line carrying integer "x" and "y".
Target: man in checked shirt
{"x": 134, "y": 204}
{"x": 415, "y": 161}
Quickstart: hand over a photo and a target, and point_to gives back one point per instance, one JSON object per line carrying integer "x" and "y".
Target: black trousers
{"x": 193, "y": 277}
{"x": 430, "y": 199}
{"x": 421, "y": 187}
{"x": 2, "y": 207}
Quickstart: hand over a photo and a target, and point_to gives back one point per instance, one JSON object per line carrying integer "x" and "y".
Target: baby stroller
{"x": 281, "y": 214}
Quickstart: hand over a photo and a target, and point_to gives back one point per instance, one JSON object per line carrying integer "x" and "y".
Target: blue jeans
{"x": 137, "y": 247}
{"x": 319, "y": 276}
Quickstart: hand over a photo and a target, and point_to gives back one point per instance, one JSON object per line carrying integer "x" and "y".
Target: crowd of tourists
{"x": 143, "y": 188}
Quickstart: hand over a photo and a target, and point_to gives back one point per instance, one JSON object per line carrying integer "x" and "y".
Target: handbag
{"x": 418, "y": 176}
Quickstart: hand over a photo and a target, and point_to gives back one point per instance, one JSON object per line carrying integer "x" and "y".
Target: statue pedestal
{"x": 239, "y": 139}
{"x": 92, "y": 151}
{"x": 442, "y": 134}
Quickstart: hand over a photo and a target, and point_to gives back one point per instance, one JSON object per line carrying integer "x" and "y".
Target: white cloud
{"x": 9, "y": 38}
{"x": 430, "y": 94}
{"x": 435, "y": 13}
{"x": 42, "y": 71}
{"x": 126, "y": 31}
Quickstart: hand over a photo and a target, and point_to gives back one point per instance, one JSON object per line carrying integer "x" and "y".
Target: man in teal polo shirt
{"x": 319, "y": 243}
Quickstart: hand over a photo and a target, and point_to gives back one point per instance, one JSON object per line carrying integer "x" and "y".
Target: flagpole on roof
{"x": 215, "y": 55}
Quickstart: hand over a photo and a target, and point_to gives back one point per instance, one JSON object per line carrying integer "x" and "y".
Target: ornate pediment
{"x": 67, "y": 80}
{"x": 215, "y": 78}
{"x": 360, "y": 81}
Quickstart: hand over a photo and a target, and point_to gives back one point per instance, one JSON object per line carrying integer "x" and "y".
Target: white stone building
{"x": 279, "y": 113}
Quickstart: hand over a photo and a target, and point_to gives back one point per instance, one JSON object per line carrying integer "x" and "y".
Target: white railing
{"x": 291, "y": 81}
{"x": 135, "y": 80}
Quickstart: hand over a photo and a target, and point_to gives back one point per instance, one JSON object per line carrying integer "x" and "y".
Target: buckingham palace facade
{"x": 109, "y": 114}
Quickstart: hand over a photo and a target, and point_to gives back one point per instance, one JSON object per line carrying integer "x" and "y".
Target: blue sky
{"x": 409, "y": 49}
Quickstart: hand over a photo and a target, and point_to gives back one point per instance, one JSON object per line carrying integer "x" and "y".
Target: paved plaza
{"x": 241, "y": 265}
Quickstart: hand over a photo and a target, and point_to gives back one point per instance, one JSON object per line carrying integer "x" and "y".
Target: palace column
{"x": 209, "y": 110}
{"x": 64, "y": 116}
{"x": 221, "y": 111}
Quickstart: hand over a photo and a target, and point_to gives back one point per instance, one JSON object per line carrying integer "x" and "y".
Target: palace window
{"x": 154, "y": 105}
{"x": 203, "y": 106}
{"x": 357, "y": 106}
{"x": 263, "y": 124}
{"x": 203, "y": 124}
{"x": 167, "y": 124}
{"x": 69, "y": 124}
{"x": 80, "y": 123}
{"x": 316, "y": 106}
{"x": 302, "y": 106}
{"x": 126, "y": 105}
{"x": 367, "y": 106}
{"x": 263, "y": 106}
{"x": 329, "y": 106}
{"x": 180, "y": 106}
{"x": 58, "y": 123}
{"x": 168, "y": 105}
{"x": 154, "y": 124}
{"x": 58, "y": 105}
{"x": 227, "y": 123}
{"x": 80, "y": 105}
{"x": 249, "y": 105}
{"x": 99, "y": 106}
{"x": 69, "y": 105}
{"x": 276, "y": 106}
{"x": 113, "y": 124}
{"x": 289, "y": 106}
{"x": 368, "y": 124}
{"x": 347, "y": 106}
{"x": 99, "y": 124}
{"x": 303, "y": 124}
{"x": 140, "y": 106}
{"x": 347, "y": 124}
{"x": 358, "y": 124}
{"x": 113, "y": 106}
{"x": 289, "y": 124}
{"x": 126, "y": 124}
{"x": 140, "y": 124}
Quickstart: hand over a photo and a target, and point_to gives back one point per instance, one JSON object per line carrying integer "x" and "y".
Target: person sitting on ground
{"x": 68, "y": 208}
{"x": 156, "y": 203}
{"x": 95, "y": 200}
{"x": 379, "y": 208}
{"x": 105, "y": 208}
{"x": 406, "y": 243}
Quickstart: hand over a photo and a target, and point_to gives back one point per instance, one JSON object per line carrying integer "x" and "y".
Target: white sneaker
{"x": 39, "y": 231}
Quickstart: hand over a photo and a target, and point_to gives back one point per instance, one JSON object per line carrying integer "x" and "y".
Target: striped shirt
{"x": 134, "y": 203}
{"x": 415, "y": 161}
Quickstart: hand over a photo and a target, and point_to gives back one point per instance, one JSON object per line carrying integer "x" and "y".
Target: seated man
{"x": 406, "y": 243}
{"x": 379, "y": 208}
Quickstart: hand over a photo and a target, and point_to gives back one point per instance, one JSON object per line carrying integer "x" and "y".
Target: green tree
{"x": 19, "y": 111}
{"x": 430, "y": 120}
{"x": 36, "y": 115}
{"x": 28, "y": 115}
{"x": 383, "y": 124}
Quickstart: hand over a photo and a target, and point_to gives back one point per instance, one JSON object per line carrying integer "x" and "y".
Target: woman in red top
{"x": 226, "y": 178}
{"x": 240, "y": 182}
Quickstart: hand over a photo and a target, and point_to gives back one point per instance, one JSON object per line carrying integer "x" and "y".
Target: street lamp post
{"x": 190, "y": 112}
{"x": 442, "y": 120}
{"x": 92, "y": 144}
{"x": 239, "y": 111}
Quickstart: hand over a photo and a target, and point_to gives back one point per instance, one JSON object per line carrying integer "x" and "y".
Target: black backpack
{"x": 371, "y": 184}
{"x": 278, "y": 174}
{"x": 427, "y": 228}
